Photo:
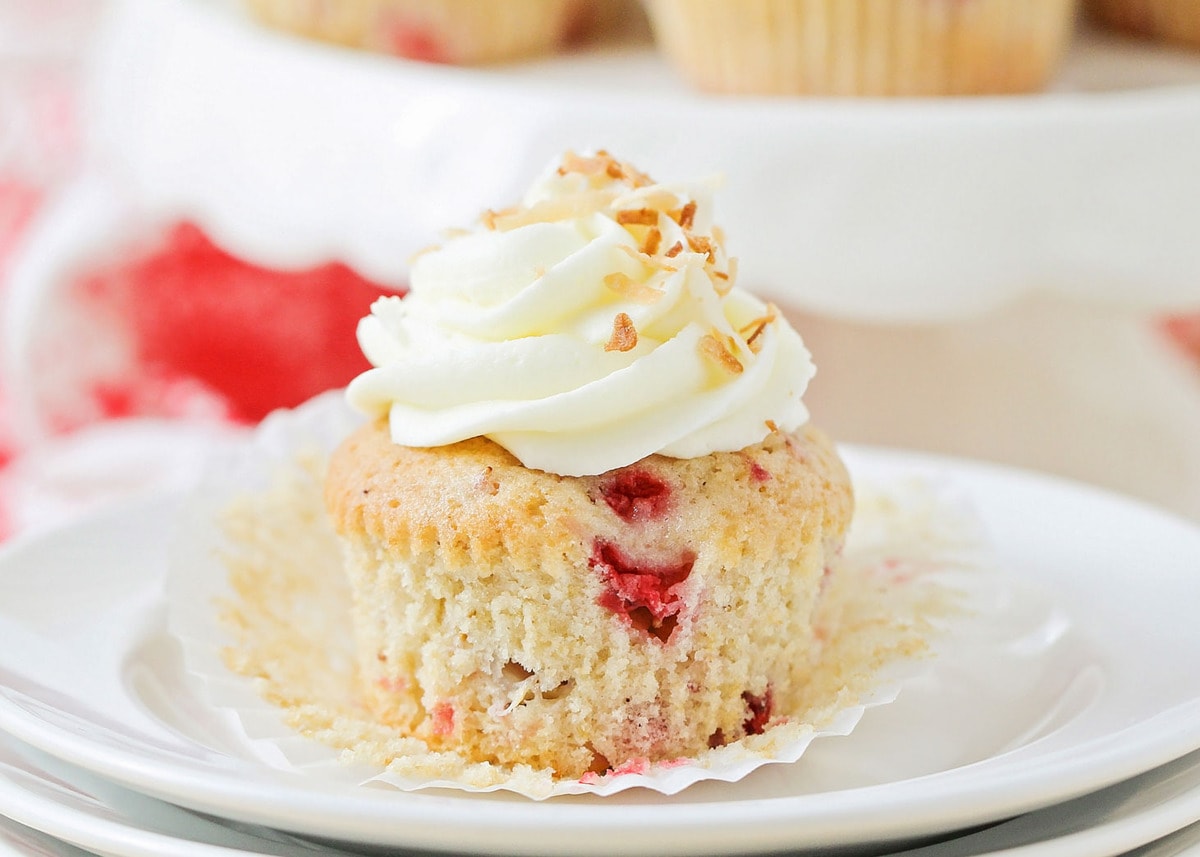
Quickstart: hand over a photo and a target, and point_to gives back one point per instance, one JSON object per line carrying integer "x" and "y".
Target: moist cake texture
{"x": 576, "y": 623}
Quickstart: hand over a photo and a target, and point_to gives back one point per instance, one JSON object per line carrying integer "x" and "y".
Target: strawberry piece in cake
{"x": 636, "y": 494}
{"x": 647, "y": 593}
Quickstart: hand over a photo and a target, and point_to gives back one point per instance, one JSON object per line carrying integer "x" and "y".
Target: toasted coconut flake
{"x": 688, "y": 215}
{"x": 772, "y": 427}
{"x": 638, "y": 217}
{"x": 754, "y": 330}
{"x": 498, "y": 219}
{"x": 657, "y": 198}
{"x": 651, "y": 242}
{"x": 602, "y": 165}
{"x": 675, "y": 250}
{"x": 552, "y": 210}
{"x": 713, "y": 349}
{"x": 761, "y": 321}
{"x": 640, "y": 255}
{"x": 593, "y": 166}
{"x": 702, "y": 244}
{"x": 624, "y": 334}
{"x": 720, "y": 283}
{"x": 718, "y": 234}
{"x": 429, "y": 248}
{"x": 754, "y": 340}
{"x": 635, "y": 176}
{"x": 637, "y": 292}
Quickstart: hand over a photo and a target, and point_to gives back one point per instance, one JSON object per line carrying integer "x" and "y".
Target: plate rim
{"x": 125, "y": 834}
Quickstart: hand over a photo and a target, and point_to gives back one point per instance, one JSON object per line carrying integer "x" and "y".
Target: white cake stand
{"x": 292, "y": 152}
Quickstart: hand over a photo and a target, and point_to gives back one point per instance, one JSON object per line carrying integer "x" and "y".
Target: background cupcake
{"x": 1171, "y": 20}
{"x": 460, "y": 32}
{"x": 888, "y": 47}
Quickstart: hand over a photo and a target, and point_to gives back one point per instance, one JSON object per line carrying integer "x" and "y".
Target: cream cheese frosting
{"x": 593, "y": 325}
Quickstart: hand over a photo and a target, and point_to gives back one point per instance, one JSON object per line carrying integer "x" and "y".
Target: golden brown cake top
{"x": 472, "y": 502}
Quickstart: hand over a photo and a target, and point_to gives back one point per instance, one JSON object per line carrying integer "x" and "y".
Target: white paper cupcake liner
{"x": 915, "y": 545}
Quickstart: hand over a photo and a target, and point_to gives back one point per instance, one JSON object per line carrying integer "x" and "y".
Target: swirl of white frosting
{"x": 594, "y": 325}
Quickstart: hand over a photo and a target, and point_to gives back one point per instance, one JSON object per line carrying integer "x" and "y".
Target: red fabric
{"x": 205, "y": 335}
{"x": 19, "y": 199}
{"x": 1184, "y": 331}
{"x": 258, "y": 339}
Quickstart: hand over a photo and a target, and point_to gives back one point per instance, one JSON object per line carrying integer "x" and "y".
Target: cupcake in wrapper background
{"x": 459, "y": 32}
{"x": 1171, "y": 20}
{"x": 864, "y": 47}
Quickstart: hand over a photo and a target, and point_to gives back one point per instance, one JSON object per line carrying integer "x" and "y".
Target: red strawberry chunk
{"x": 759, "y": 711}
{"x": 636, "y": 494}
{"x": 647, "y": 593}
{"x": 443, "y": 718}
{"x": 416, "y": 42}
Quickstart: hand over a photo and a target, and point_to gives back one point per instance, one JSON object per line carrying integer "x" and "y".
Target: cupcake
{"x": 1170, "y": 20}
{"x": 587, "y": 525}
{"x": 889, "y": 47}
{"x": 461, "y": 32}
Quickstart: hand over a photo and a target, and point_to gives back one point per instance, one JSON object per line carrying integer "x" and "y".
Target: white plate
{"x": 17, "y": 840}
{"x": 290, "y": 152}
{"x": 1164, "y": 802}
{"x": 90, "y": 677}
{"x": 52, "y": 798}
{"x": 56, "y": 799}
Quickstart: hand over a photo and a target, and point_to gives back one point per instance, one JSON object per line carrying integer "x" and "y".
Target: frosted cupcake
{"x": 888, "y": 47}
{"x": 461, "y": 32}
{"x": 588, "y": 526}
{"x": 1170, "y": 20}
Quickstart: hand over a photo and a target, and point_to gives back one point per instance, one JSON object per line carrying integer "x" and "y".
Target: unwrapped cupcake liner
{"x": 273, "y": 650}
{"x": 890, "y": 47}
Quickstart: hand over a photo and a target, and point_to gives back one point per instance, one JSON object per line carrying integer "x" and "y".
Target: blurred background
{"x": 196, "y": 206}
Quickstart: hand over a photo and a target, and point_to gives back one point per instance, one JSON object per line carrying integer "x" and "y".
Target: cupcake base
{"x": 864, "y": 47}
{"x": 649, "y": 613}
{"x": 459, "y": 32}
{"x": 1169, "y": 20}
